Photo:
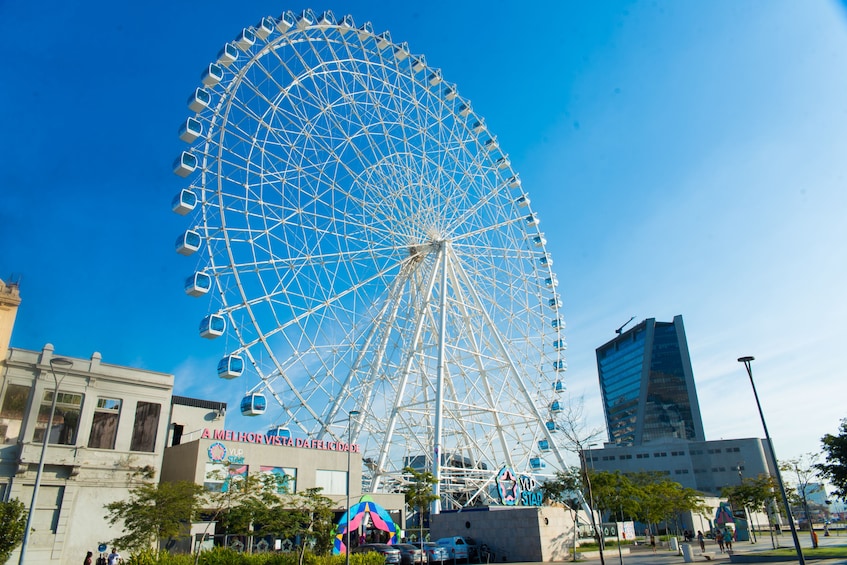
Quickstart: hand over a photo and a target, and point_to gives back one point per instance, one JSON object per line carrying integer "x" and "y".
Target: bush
{"x": 226, "y": 556}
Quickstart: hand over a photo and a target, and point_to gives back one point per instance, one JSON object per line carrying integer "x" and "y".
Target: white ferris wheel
{"x": 366, "y": 246}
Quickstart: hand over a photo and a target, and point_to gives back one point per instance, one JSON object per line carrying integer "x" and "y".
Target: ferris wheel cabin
{"x": 190, "y": 130}
{"x": 265, "y": 27}
{"x": 213, "y": 74}
{"x": 537, "y": 463}
{"x": 227, "y": 55}
{"x": 559, "y": 386}
{"x": 200, "y": 100}
{"x": 246, "y": 39}
{"x": 560, "y": 366}
{"x": 185, "y": 164}
{"x": 543, "y": 445}
{"x": 184, "y": 202}
{"x": 212, "y": 326}
{"x": 198, "y": 284}
{"x": 254, "y": 404}
{"x": 285, "y": 21}
{"x": 188, "y": 243}
{"x": 230, "y": 367}
{"x": 555, "y": 406}
{"x": 280, "y": 432}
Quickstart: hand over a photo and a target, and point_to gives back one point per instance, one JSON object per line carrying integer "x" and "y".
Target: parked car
{"x": 460, "y": 547}
{"x": 436, "y": 553}
{"x": 389, "y": 552}
{"x": 410, "y": 554}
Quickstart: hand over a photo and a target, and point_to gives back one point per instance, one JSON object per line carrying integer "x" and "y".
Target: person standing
{"x": 727, "y": 538}
{"x": 702, "y": 540}
{"x": 719, "y": 539}
{"x": 114, "y": 557}
{"x": 653, "y": 542}
{"x": 87, "y": 560}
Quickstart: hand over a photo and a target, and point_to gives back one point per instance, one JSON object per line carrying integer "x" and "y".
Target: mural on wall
{"x": 517, "y": 490}
{"x": 366, "y": 509}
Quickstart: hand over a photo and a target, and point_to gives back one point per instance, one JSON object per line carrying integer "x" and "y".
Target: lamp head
{"x": 61, "y": 362}
{"x": 746, "y": 359}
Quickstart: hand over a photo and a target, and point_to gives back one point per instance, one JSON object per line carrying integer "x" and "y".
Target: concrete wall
{"x": 514, "y": 533}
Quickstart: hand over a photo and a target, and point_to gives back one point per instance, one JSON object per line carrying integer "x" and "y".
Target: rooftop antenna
{"x": 620, "y": 329}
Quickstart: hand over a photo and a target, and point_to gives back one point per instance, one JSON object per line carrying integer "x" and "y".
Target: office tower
{"x": 648, "y": 386}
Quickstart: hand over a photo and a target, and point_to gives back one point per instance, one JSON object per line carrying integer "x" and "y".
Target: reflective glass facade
{"x": 648, "y": 386}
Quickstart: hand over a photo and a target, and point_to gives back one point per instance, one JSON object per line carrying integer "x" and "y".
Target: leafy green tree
{"x": 418, "y": 493}
{"x": 154, "y": 512}
{"x": 835, "y": 467}
{"x": 12, "y": 525}
{"x": 309, "y": 515}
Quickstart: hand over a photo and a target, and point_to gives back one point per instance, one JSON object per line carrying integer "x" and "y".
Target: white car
{"x": 460, "y": 547}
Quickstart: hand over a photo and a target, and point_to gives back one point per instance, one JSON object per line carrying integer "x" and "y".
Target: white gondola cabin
{"x": 198, "y": 284}
{"x": 551, "y": 282}
{"x": 560, "y": 365}
{"x": 543, "y": 445}
{"x": 537, "y": 463}
{"x": 514, "y": 181}
{"x": 254, "y": 404}
{"x": 522, "y": 201}
{"x": 185, "y": 164}
{"x": 265, "y": 27}
{"x": 435, "y": 77}
{"x": 246, "y": 39}
{"x": 305, "y": 19}
{"x": 555, "y": 302}
{"x": 418, "y": 63}
{"x": 188, "y": 243}
{"x": 555, "y": 406}
{"x": 465, "y": 108}
{"x": 491, "y": 144}
{"x": 503, "y": 162}
{"x": 212, "y": 326}
{"x": 190, "y": 130}
{"x": 325, "y": 20}
{"x": 401, "y": 51}
{"x": 227, "y": 55}
{"x": 450, "y": 92}
{"x": 184, "y": 202}
{"x": 539, "y": 241}
{"x": 558, "y": 323}
{"x": 347, "y": 24}
{"x": 478, "y": 126}
{"x": 531, "y": 220}
{"x": 559, "y": 386}
{"x": 545, "y": 260}
{"x": 285, "y": 21}
{"x": 280, "y": 432}
{"x": 230, "y": 367}
{"x": 365, "y": 31}
{"x": 199, "y": 101}
{"x": 383, "y": 40}
{"x": 213, "y": 74}
{"x": 551, "y": 426}
{"x": 560, "y": 345}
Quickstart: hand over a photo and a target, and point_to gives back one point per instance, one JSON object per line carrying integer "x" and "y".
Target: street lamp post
{"x": 746, "y": 361}
{"x": 63, "y": 364}
{"x": 352, "y": 414}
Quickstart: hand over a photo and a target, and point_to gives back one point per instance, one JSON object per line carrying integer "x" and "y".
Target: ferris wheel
{"x": 366, "y": 247}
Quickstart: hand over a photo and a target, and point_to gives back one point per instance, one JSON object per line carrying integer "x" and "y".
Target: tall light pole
{"x": 63, "y": 364}
{"x": 747, "y": 360}
{"x": 352, "y": 414}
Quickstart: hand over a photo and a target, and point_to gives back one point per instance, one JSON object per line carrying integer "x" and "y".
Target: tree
{"x": 755, "y": 494}
{"x": 804, "y": 469}
{"x": 661, "y": 499}
{"x": 835, "y": 467}
{"x": 12, "y": 525}
{"x": 309, "y": 515}
{"x": 418, "y": 494}
{"x": 154, "y": 512}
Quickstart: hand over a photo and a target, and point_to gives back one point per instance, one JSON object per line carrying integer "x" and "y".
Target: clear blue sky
{"x": 686, "y": 158}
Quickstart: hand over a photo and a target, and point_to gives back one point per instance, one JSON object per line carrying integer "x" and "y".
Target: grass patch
{"x": 830, "y": 552}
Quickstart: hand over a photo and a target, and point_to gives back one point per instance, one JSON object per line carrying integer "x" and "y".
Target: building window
{"x": 145, "y": 427}
{"x": 12, "y": 412}
{"x": 285, "y": 478}
{"x": 332, "y": 482}
{"x": 65, "y": 418}
{"x": 221, "y": 476}
{"x": 104, "y": 426}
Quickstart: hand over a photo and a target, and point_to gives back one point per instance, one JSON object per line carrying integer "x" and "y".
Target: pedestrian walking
{"x": 702, "y": 540}
{"x": 727, "y": 538}
{"x": 719, "y": 539}
{"x": 653, "y": 542}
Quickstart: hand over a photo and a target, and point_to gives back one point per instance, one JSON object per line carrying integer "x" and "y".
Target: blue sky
{"x": 685, "y": 158}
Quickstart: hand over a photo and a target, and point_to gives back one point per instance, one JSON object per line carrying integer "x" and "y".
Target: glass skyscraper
{"x": 647, "y": 385}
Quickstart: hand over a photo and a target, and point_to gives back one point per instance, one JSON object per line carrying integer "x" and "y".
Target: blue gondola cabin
{"x": 230, "y": 367}
{"x": 212, "y": 326}
{"x": 254, "y": 404}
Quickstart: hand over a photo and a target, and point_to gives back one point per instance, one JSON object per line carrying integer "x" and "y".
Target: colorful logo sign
{"x": 217, "y": 452}
{"x": 516, "y": 490}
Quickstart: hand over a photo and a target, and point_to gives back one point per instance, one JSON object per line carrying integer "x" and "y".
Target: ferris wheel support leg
{"x": 439, "y": 385}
